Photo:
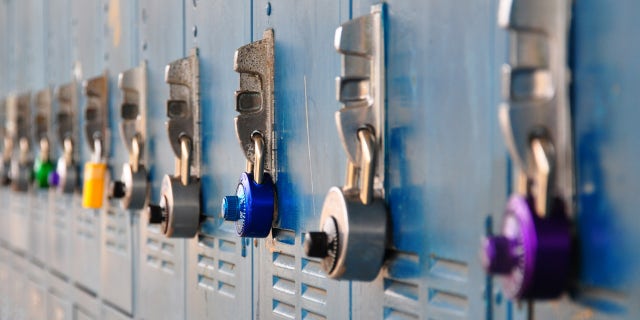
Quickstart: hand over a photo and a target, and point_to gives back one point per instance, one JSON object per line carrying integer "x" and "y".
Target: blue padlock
{"x": 253, "y": 206}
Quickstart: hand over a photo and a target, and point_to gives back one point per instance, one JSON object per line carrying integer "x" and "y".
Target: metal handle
{"x": 185, "y": 160}
{"x": 258, "y": 163}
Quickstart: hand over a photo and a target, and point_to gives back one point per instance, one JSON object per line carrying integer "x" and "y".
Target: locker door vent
{"x": 298, "y": 283}
{"x": 454, "y": 276}
{"x": 116, "y": 230}
{"x": 85, "y": 223}
{"x": 160, "y": 252}
{"x": 217, "y": 260}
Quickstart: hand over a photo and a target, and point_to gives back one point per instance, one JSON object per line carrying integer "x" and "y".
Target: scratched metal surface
{"x": 447, "y": 162}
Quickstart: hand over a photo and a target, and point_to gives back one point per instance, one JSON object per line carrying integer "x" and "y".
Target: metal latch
{"x": 179, "y": 209}
{"x": 133, "y": 187}
{"x": 96, "y": 115}
{"x": 66, "y": 175}
{"x": 533, "y": 253}
{"x": 19, "y": 125}
{"x": 252, "y": 208}
{"x": 353, "y": 224}
{"x": 43, "y": 166}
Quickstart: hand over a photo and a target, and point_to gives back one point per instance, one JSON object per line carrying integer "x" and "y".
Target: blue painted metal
{"x": 448, "y": 173}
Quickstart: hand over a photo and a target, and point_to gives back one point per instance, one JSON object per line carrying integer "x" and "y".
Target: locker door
{"x": 119, "y": 226}
{"x": 89, "y": 58}
{"x": 309, "y": 158}
{"x": 162, "y": 261}
{"x": 219, "y": 264}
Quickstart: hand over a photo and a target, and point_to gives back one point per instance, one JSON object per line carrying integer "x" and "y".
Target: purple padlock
{"x": 533, "y": 254}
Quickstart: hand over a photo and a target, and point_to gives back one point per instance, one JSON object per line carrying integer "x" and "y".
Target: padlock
{"x": 132, "y": 189}
{"x": 93, "y": 186}
{"x": 253, "y": 206}
{"x": 42, "y": 169}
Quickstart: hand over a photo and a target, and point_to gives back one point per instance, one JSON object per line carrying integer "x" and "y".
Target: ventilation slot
{"x": 402, "y": 294}
{"x": 214, "y": 263}
{"x": 308, "y": 315}
{"x": 160, "y": 253}
{"x": 448, "y": 268}
{"x": 284, "y": 285}
{"x": 448, "y": 301}
{"x": 115, "y": 233}
{"x": 394, "y": 314}
{"x": 284, "y": 310}
{"x": 445, "y": 272}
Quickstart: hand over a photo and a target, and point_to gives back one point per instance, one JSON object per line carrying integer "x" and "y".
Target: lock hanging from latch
{"x": 43, "y": 166}
{"x": 133, "y": 187}
{"x": 20, "y": 124}
{"x": 354, "y": 221}
{"x": 253, "y": 207}
{"x": 96, "y": 132}
{"x": 533, "y": 253}
{"x": 178, "y": 211}
{"x": 7, "y": 143}
{"x": 66, "y": 175}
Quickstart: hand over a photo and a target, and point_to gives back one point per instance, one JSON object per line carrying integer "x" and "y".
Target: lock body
{"x": 253, "y": 206}
{"x": 356, "y": 235}
{"x": 93, "y": 186}
{"x": 180, "y": 205}
{"x": 65, "y": 177}
{"x": 42, "y": 170}
{"x": 533, "y": 254}
{"x": 135, "y": 187}
{"x": 21, "y": 176}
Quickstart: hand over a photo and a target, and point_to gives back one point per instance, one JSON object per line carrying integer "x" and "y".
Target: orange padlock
{"x": 93, "y": 187}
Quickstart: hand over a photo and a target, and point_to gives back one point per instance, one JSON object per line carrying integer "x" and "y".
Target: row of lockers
{"x": 442, "y": 178}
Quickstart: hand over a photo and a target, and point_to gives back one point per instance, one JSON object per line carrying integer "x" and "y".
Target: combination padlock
{"x": 42, "y": 170}
{"x": 43, "y": 167}
{"x": 132, "y": 189}
{"x": 21, "y": 168}
{"x": 178, "y": 211}
{"x": 93, "y": 186}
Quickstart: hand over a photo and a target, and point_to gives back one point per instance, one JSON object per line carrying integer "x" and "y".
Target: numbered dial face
{"x": 519, "y": 228}
{"x": 330, "y": 228}
{"x": 242, "y": 209}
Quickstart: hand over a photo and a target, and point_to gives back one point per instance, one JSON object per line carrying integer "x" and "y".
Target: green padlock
{"x": 42, "y": 169}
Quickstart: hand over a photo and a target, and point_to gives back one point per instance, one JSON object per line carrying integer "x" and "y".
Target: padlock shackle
{"x": 543, "y": 154}
{"x": 258, "y": 163}
{"x": 185, "y": 159}
{"x": 135, "y": 154}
